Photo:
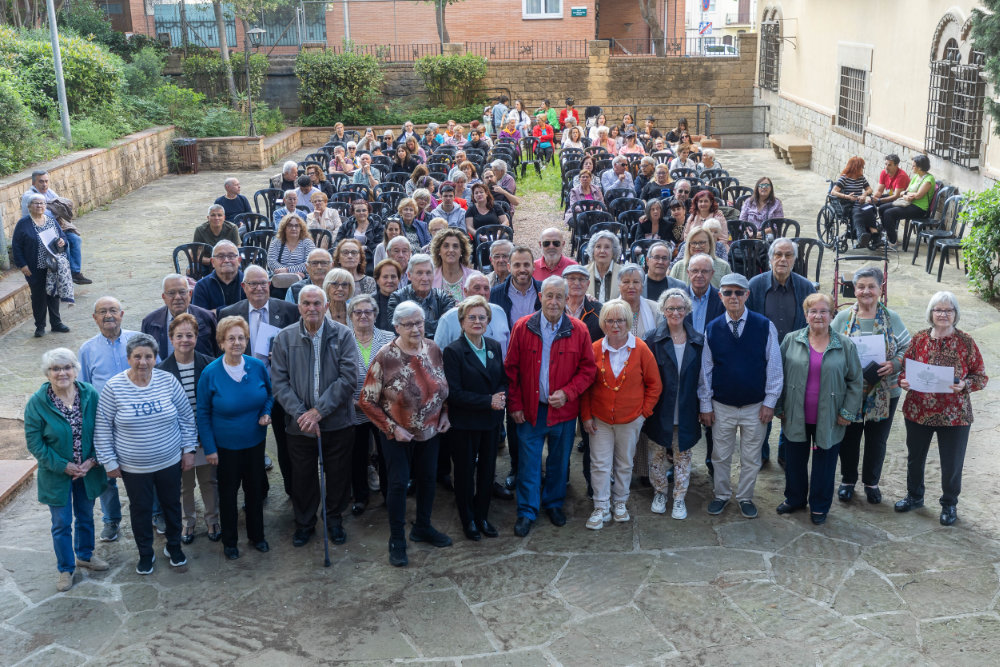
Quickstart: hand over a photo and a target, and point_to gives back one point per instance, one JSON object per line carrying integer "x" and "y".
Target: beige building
{"x": 869, "y": 78}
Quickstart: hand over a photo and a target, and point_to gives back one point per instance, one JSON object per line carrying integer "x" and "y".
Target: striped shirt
{"x": 143, "y": 429}
{"x": 186, "y": 373}
{"x": 852, "y": 186}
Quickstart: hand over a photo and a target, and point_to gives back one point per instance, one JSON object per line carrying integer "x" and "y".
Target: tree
{"x": 986, "y": 38}
{"x": 439, "y": 8}
{"x": 647, "y": 8}
{"x": 246, "y": 11}
{"x": 220, "y": 24}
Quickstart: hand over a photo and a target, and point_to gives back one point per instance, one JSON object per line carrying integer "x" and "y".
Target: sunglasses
{"x": 551, "y": 244}
{"x": 732, "y": 292}
{"x": 764, "y": 186}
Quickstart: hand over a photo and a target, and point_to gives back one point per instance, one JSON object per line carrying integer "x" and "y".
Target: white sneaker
{"x": 373, "y": 483}
{"x": 606, "y": 517}
{"x": 659, "y": 505}
{"x": 680, "y": 510}
{"x": 621, "y": 512}
{"x": 596, "y": 520}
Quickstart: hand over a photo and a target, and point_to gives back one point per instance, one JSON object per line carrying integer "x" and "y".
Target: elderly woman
{"x": 708, "y": 161}
{"x": 412, "y": 228}
{"x": 318, "y": 180}
{"x": 699, "y": 241}
{"x": 572, "y": 138}
{"x": 322, "y": 216}
{"x": 588, "y": 190}
{"x": 44, "y": 264}
{"x": 404, "y": 395}
{"x": 613, "y": 410}
{"x": 289, "y": 201}
{"x": 361, "y": 227}
{"x": 510, "y": 131}
{"x": 683, "y": 159}
{"x": 451, "y": 252}
{"x": 290, "y": 247}
{"x": 820, "y": 396}
{"x": 59, "y": 430}
{"x": 433, "y": 227}
{"x": 652, "y": 225}
{"x": 589, "y": 163}
{"x": 704, "y": 207}
{"x": 387, "y": 274}
{"x": 482, "y": 211}
{"x": 477, "y": 395}
{"x": 362, "y": 313}
{"x": 426, "y": 204}
{"x": 339, "y": 288}
{"x": 350, "y": 256}
{"x": 145, "y": 434}
{"x": 186, "y": 365}
{"x": 661, "y": 186}
{"x": 342, "y": 163}
{"x": 392, "y": 228}
{"x": 234, "y": 409}
{"x": 605, "y": 141}
{"x": 948, "y": 415}
{"x": 604, "y": 249}
{"x": 869, "y": 317}
{"x": 599, "y": 122}
{"x": 762, "y": 205}
{"x": 674, "y": 426}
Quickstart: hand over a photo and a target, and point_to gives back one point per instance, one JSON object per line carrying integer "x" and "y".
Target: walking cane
{"x": 322, "y": 503}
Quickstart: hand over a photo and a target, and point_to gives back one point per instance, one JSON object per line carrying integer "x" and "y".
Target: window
{"x": 955, "y": 107}
{"x": 112, "y": 8}
{"x": 541, "y": 9}
{"x": 770, "y": 55}
{"x": 851, "y": 100}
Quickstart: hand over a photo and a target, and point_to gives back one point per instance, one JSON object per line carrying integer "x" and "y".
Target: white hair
{"x": 499, "y": 165}
{"x": 254, "y": 269}
{"x": 406, "y": 309}
{"x": 774, "y": 244}
{"x": 216, "y": 206}
{"x": 942, "y": 297}
{"x": 616, "y": 244}
{"x": 309, "y": 289}
{"x": 221, "y": 244}
{"x": 707, "y": 152}
{"x": 419, "y": 258}
{"x": 291, "y": 164}
{"x": 474, "y": 275}
{"x": 59, "y": 355}
{"x": 556, "y": 282}
{"x": 171, "y": 276}
{"x": 673, "y": 293}
{"x": 232, "y": 179}
{"x": 395, "y": 241}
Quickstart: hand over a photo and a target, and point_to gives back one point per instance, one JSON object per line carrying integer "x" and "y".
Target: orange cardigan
{"x": 638, "y": 394}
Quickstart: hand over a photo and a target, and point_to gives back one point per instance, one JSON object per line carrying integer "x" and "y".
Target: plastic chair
{"x": 639, "y": 249}
{"x": 683, "y": 172}
{"x": 738, "y": 229}
{"x": 250, "y": 222}
{"x": 748, "y": 257}
{"x": 338, "y": 181}
{"x": 621, "y": 204}
{"x": 192, "y": 254}
{"x": 945, "y": 246}
{"x": 806, "y": 249}
{"x": 259, "y": 239}
{"x": 716, "y": 172}
{"x": 267, "y": 196}
{"x": 949, "y": 229}
{"x": 360, "y": 188}
{"x": 662, "y": 157}
{"x": 583, "y": 221}
{"x": 321, "y": 236}
{"x": 252, "y": 255}
{"x": 934, "y": 216}
{"x": 720, "y": 182}
{"x": 321, "y": 158}
{"x": 389, "y": 186}
{"x": 484, "y": 237}
{"x": 397, "y": 177}
{"x": 783, "y": 227}
{"x": 615, "y": 193}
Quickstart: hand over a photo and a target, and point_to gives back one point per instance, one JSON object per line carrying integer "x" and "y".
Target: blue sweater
{"x": 228, "y": 411}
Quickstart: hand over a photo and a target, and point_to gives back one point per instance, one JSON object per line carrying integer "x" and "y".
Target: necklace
{"x": 621, "y": 378}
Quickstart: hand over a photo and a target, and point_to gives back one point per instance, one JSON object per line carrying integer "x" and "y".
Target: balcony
{"x": 738, "y": 19}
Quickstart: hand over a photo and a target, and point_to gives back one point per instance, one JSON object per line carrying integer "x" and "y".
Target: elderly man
{"x": 266, "y": 316}
{"x": 550, "y": 362}
{"x": 102, "y": 357}
{"x": 587, "y": 309}
{"x": 500, "y": 261}
{"x": 314, "y": 371}
{"x": 216, "y": 228}
{"x": 552, "y": 262}
{"x": 499, "y": 194}
{"x": 286, "y": 179}
{"x": 364, "y": 174}
{"x": 434, "y": 302}
{"x": 741, "y": 380}
{"x": 618, "y": 176}
{"x": 505, "y": 185}
{"x": 449, "y": 330}
{"x": 318, "y": 264}
{"x": 657, "y": 281}
{"x": 176, "y": 300}
{"x": 448, "y": 209}
{"x": 778, "y": 295}
{"x": 682, "y": 193}
{"x": 705, "y": 302}
{"x": 233, "y": 202}
{"x": 40, "y": 182}
{"x": 221, "y": 287}
{"x": 400, "y": 250}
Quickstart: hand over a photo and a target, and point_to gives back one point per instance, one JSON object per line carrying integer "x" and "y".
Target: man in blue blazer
{"x": 177, "y": 299}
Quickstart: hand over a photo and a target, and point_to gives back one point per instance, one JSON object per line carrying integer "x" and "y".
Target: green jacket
{"x": 50, "y": 440}
{"x": 839, "y": 387}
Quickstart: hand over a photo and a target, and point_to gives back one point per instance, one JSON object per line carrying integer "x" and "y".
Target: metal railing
{"x": 532, "y": 49}
{"x": 738, "y": 18}
{"x": 690, "y": 47}
{"x": 392, "y": 53}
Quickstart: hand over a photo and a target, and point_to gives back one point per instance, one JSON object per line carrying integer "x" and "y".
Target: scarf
{"x": 875, "y": 406}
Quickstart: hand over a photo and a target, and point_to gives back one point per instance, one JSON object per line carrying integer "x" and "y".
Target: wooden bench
{"x": 795, "y": 151}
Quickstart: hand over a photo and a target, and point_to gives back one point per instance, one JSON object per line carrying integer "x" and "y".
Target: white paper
{"x": 870, "y": 348}
{"x": 262, "y": 340}
{"x": 929, "y": 379}
{"x": 47, "y": 236}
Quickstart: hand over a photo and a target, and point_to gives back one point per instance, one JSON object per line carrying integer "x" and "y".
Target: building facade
{"x": 718, "y": 22}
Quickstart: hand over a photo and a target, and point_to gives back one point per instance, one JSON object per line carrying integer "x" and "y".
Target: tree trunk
{"x": 648, "y": 10}
{"x": 184, "y": 27}
{"x": 442, "y": 27}
{"x": 220, "y": 23}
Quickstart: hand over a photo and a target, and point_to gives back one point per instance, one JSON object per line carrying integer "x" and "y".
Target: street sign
{"x": 705, "y": 28}
{"x": 578, "y": 11}
{"x": 705, "y": 4}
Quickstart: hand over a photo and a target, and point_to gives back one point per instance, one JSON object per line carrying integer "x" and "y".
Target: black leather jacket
{"x": 435, "y": 304}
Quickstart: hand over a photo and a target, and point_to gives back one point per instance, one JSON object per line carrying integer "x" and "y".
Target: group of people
{"x": 425, "y": 368}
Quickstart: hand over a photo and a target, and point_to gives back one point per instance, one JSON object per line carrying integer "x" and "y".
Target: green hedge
{"x": 338, "y": 86}
{"x": 206, "y": 73}
{"x": 452, "y": 80}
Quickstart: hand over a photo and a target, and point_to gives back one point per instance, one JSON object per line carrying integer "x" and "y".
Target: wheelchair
{"x": 835, "y": 227}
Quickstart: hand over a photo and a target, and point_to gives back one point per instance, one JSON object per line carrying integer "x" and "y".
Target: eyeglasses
{"x": 173, "y": 294}
{"x": 349, "y": 253}
{"x": 343, "y": 285}
{"x": 943, "y": 311}
{"x": 764, "y": 186}
{"x": 551, "y": 244}
{"x": 675, "y": 309}
{"x": 733, "y": 292}
{"x": 683, "y": 192}
{"x": 501, "y": 258}
{"x": 257, "y": 284}
{"x": 698, "y": 244}
{"x": 411, "y": 325}
{"x": 227, "y": 257}
{"x": 616, "y": 323}
{"x": 659, "y": 258}
{"x": 363, "y": 313}
{"x": 476, "y": 318}
{"x": 60, "y": 369}
{"x": 323, "y": 262}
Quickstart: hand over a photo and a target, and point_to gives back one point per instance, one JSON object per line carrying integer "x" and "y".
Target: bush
{"x": 145, "y": 73}
{"x": 87, "y": 20}
{"x": 452, "y": 80}
{"x": 981, "y": 245}
{"x": 15, "y": 130}
{"x": 206, "y": 73}
{"x": 338, "y": 86}
{"x": 396, "y": 114}
{"x": 267, "y": 120}
{"x": 91, "y": 133}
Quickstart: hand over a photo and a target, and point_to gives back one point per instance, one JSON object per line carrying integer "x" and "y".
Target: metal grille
{"x": 955, "y": 108}
{"x": 936, "y": 135}
{"x": 392, "y": 53}
{"x": 532, "y": 49}
{"x": 770, "y": 56}
{"x": 851, "y": 102}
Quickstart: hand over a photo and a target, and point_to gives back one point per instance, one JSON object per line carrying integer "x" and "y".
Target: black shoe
{"x": 357, "y": 509}
{"x": 511, "y": 481}
{"x": 864, "y": 240}
{"x": 785, "y": 508}
{"x": 845, "y": 492}
{"x": 874, "y": 494}
{"x": 176, "y": 556}
{"x": 60, "y": 328}
{"x": 909, "y": 503}
{"x": 748, "y": 509}
{"x": 145, "y": 565}
{"x": 261, "y": 546}
{"x": 231, "y": 553}
{"x": 187, "y": 538}
{"x": 397, "y": 553}
{"x": 431, "y": 535}
{"x": 556, "y": 516}
{"x": 644, "y": 481}
{"x": 523, "y": 526}
{"x": 39, "y": 332}
{"x": 301, "y": 537}
{"x": 948, "y": 515}
{"x": 445, "y": 481}
{"x": 215, "y": 534}
{"x": 81, "y": 279}
{"x": 268, "y": 463}
{"x": 818, "y": 519}
{"x": 487, "y": 528}
{"x": 337, "y": 533}
{"x": 781, "y": 462}
{"x": 579, "y": 446}
{"x": 500, "y": 491}
{"x": 472, "y": 531}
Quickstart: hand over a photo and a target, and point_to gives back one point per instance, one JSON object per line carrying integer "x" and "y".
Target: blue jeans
{"x": 765, "y": 451}
{"x": 530, "y": 491}
{"x": 111, "y": 505}
{"x": 75, "y": 251}
{"x": 78, "y": 506}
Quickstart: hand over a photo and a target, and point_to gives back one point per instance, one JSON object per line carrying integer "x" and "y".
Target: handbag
{"x": 900, "y": 202}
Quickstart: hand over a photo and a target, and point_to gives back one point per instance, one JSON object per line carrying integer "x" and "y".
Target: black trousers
{"x": 281, "y": 445}
{"x": 141, "y": 487}
{"x": 444, "y": 454}
{"x": 363, "y": 435}
{"x": 474, "y": 479}
{"x": 303, "y": 450}
{"x": 891, "y": 218}
{"x": 801, "y": 487}
{"x": 875, "y": 433}
{"x": 42, "y": 303}
{"x": 400, "y": 458}
{"x": 952, "y": 442}
{"x": 862, "y": 217}
{"x": 241, "y": 467}
{"x": 513, "y": 443}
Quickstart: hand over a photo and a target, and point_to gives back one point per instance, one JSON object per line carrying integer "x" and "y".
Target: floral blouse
{"x": 957, "y": 350}
{"x": 406, "y": 390}
{"x": 74, "y": 415}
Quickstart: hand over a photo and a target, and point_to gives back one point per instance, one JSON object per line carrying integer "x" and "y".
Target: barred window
{"x": 851, "y": 100}
{"x": 770, "y": 55}
{"x": 955, "y": 107}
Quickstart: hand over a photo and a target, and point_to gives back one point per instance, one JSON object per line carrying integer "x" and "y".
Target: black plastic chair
{"x": 381, "y": 209}
{"x": 945, "y": 246}
{"x": 483, "y": 238}
{"x": 748, "y": 257}
{"x": 621, "y": 204}
{"x": 338, "y": 181}
{"x": 397, "y": 177}
{"x": 343, "y": 208}
{"x": 360, "y": 188}
{"x": 192, "y": 254}
{"x": 267, "y": 196}
{"x": 615, "y": 193}
{"x": 720, "y": 182}
{"x": 683, "y": 172}
{"x": 807, "y": 247}
{"x": 638, "y": 250}
{"x": 308, "y": 163}
{"x": 948, "y": 229}
{"x": 321, "y": 236}
{"x": 734, "y": 192}
{"x": 662, "y": 157}
{"x": 347, "y": 196}
{"x": 259, "y": 239}
{"x": 629, "y": 218}
{"x": 252, "y": 255}
{"x": 619, "y": 229}
{"x": 783, "y": 227}
{"x": 390, "y": 199}
{"x": 933, "y": 218}
{"x": 383, "y": 162}
{"x": 439, "y": 176}
{"x": 321, "y": 158}
{"x": 583, "y": 221}
{"x": 716, "y": 172}
{"x": 249, "y": 222}
{"x": 388, "y": 186}
{"x": 739, "y": 229}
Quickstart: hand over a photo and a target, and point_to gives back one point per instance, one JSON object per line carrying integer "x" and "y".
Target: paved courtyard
{"x": 869, "y": 587}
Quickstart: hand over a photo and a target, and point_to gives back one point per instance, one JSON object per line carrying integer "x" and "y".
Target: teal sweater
{"x": 228, "y": 411}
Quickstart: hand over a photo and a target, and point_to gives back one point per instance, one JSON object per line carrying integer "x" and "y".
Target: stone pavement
{"x": 869, "y": 587}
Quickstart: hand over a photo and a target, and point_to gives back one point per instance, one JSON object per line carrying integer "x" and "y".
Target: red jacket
{"x": 571, "y": 367}
{"x": 544, "y": 134}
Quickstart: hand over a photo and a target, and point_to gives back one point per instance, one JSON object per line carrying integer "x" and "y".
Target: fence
{"x": 677, "y": 48}
{"x": 529, "y": 49}
{"x": 201, "y": 26}
{"x": 392, "y": 53}
{"x": 292, "y": 25}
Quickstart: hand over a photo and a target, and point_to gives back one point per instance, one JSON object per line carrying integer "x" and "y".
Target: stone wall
{"x": 93, "y": 177}
{"x": 247, "y": 153}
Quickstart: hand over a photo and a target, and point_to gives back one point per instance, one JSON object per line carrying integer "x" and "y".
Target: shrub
{"x": 91, "y": 133}
{"x": 15, "y": 130}
{"x": 217, "y": 121}
{"x": 267, "y": 120}
{"x": 452, "y": 80}
{"x": 145, "y": 73}
{"x": 981, "y": 245}
{"x": 206, "y": 73}
{"x": 396, "y": 114}
{"x": 341, "y": 86}
{"x": 87, "y": 20}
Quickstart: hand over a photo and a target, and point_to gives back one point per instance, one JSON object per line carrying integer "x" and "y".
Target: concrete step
{"x": 14, "y": 476}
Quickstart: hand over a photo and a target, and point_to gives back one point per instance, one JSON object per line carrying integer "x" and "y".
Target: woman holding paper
{"x": 949, "y": 415}
{"x": 866, "y": 321}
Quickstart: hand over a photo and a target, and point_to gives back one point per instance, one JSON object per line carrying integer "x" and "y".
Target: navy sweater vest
{"x": 739, "y": 370}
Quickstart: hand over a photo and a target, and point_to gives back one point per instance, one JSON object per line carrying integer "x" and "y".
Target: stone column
{"x": 598, "y": 74}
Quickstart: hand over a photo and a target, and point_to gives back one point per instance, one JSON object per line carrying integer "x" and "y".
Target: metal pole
{"x": 60, "y": 82}
{"x": 4, "y": 257}
{"x": 246, "y": 64}
{"x": 347, "y": 22}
